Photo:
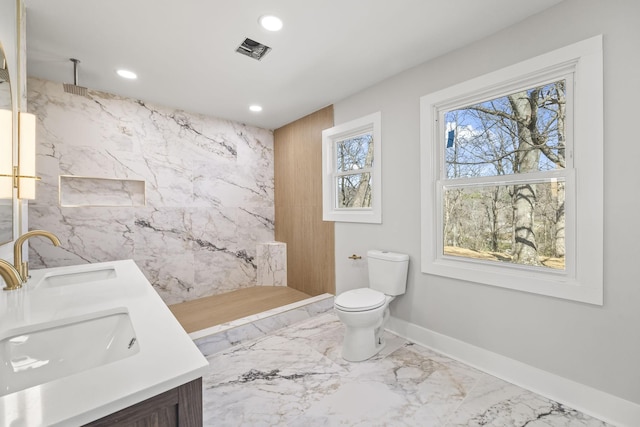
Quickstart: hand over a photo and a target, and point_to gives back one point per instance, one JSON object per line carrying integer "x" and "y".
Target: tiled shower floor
{"x": 296, "y": 377}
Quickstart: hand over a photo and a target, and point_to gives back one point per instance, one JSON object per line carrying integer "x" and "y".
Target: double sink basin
{"x": 43, "y": 352}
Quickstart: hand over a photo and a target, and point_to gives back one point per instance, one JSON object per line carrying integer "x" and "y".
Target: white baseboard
{"x": 604, "y": 406}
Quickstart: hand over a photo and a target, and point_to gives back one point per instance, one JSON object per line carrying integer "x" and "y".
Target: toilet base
{"x": 361, "y": 344}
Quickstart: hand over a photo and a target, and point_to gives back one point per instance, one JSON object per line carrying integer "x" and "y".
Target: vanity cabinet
{"x": 181, "y": 406}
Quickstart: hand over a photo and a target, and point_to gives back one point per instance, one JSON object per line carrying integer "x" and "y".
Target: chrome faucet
{"x": 10, "y": 275}
{"x": 23, "y": 267}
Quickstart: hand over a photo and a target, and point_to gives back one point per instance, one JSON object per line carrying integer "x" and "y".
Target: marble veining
{"x": 272, "y": 264}
{"x": 296, "y": 377}
{"x": 208, "y": 181}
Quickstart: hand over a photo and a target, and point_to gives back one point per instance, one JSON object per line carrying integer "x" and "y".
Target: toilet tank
{"x": 388, "y": 271}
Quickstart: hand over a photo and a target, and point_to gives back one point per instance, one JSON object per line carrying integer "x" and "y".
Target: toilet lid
{"x": 360, "y": 300}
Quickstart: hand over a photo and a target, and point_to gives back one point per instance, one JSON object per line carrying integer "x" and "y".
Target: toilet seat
{"x": 362, "y": 299}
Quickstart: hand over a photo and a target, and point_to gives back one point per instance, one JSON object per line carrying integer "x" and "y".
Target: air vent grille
{"x": 253, "y": 49}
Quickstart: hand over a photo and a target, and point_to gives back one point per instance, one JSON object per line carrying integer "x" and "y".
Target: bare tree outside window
{"x": 510, "y": 136}
{"x": 354, "y": 162}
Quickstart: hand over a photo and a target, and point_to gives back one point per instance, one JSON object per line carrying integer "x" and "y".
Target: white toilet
{"x": 365, "y": 311}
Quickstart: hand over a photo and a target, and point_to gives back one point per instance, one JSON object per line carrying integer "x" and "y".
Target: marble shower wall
{"x": 209, "y": 190}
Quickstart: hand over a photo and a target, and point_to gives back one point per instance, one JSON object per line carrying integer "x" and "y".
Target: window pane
{"x": 355, "y": 153}
{"x": 517, "y": 133}
{"x": 354, "y": 191}
{"x": 484, "y": 223}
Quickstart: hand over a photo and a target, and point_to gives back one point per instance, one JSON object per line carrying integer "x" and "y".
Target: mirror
{"x": 6, "y": 153}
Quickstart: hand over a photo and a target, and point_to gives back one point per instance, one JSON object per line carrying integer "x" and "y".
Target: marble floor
{"x": 296, "y": 377}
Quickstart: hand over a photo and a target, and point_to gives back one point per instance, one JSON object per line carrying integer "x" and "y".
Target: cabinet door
{"x": 181, "y": 406}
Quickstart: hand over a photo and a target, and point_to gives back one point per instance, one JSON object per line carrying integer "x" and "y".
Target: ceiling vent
{"x": 253, "y": 49}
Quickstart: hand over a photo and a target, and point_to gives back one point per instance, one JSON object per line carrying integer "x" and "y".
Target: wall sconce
{"x": 23, "y": 177}
{"x": 6, "y": 155}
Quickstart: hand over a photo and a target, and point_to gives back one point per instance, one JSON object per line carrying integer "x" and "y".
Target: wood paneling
{"x": 206, "y": 312}
{"x": 298, "y": 204}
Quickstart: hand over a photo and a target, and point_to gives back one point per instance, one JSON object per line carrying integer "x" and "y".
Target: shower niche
{"x": 77, "y": 191}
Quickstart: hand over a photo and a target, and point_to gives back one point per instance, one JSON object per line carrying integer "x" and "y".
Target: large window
{"x": 512, "y": 176}
{"x": 351, "y": 171}
{"x": 505, "y": 167}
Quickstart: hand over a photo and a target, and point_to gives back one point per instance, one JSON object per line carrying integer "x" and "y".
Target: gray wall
{"x": 595, "y": 346}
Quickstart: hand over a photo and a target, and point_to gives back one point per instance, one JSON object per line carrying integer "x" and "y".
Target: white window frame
{"x": 582, "y": 278}
{"x": 330, "y": 210}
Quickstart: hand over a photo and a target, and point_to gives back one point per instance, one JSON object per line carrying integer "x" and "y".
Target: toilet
{"x": 365, "y": 311}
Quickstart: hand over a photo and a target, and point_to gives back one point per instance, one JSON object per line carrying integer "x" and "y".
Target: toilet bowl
{"x": 364, "y": 322}
{"x": 365, "y": 311}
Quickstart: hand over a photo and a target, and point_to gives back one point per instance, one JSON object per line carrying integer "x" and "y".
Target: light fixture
{"x": 127, "y": 74}
{"x": 270, "y": 22}
{"x": 255, "y": 108}
{"x": 23, "y": 177}
{"x": 6, "y": 155}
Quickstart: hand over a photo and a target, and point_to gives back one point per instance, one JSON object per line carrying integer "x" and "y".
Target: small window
{"x": 512, "y": 176}
{"x": 351, "y": 171}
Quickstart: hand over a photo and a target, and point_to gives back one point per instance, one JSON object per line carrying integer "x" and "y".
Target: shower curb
{"x": 221, "y": 337}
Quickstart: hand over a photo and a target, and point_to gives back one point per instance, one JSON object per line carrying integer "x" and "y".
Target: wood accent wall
{"x": 298, "y": 204}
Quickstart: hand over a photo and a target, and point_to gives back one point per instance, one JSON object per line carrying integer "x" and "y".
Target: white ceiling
{"x": 184, "y": 50}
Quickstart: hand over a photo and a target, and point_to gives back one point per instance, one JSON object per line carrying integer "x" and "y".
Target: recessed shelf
{"x": 76, "y": 191}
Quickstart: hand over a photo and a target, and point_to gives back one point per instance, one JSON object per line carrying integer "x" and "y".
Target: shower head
{"x": 74, "y": 88}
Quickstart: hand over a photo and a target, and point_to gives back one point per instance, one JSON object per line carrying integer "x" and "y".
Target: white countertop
{"x": 167, "y": 357}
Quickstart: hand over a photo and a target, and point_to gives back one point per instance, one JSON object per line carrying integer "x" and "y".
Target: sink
{"x": 37, "y": 354}
{"x": 77, "y": 277}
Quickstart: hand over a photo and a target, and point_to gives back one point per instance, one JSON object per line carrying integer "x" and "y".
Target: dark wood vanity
{"x": 181, "y": 406}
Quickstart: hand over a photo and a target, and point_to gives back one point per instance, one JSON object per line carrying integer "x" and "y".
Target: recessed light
{"x": 255, "y": 108}
{"x": 270, "y": 22}
{"x": 127, "y": 74}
